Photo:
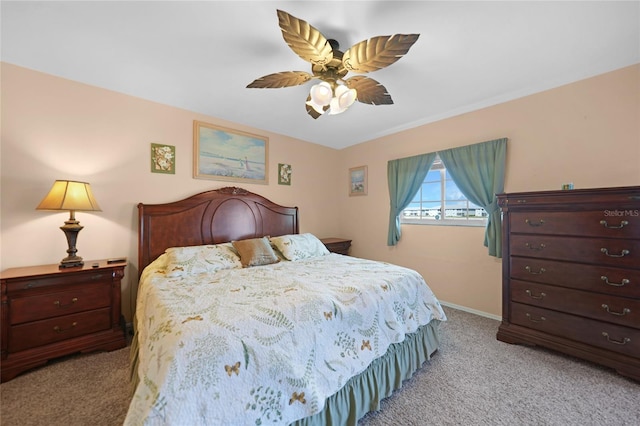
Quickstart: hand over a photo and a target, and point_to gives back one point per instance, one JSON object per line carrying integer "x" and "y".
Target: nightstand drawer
{"x": 38, "y": 333}
{"x": 30, "y": 283}
{"x": 337, "y": 245}
{"x": 77, "y": 299}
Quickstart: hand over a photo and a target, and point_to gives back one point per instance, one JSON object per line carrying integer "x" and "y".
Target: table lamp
{"x": 70, "y": 195}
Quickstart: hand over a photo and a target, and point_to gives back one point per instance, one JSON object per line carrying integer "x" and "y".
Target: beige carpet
{"x": 472, "y": 380}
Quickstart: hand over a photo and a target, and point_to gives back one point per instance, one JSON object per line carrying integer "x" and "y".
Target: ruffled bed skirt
{"x": 362, "y": 393}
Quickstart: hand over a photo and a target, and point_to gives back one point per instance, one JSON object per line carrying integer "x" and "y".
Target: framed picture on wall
{"x": 220, "y": 153}
{"x": 358, "y": 180}
{"x": 284, "y": 174}
{"x": 163, "y": 158}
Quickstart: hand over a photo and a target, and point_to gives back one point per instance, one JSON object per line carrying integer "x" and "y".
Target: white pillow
{"x": 200, "y": 259}
{"x": 299, "y": 246}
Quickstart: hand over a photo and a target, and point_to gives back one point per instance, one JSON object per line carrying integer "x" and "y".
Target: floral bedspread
{"x": 267, "y": 344}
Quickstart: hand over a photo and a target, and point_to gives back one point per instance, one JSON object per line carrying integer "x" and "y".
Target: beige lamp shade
{"x": 69, "y": 195}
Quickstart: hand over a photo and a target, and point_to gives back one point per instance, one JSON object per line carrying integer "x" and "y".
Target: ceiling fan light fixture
{"x": 317, "y": 108}
{"x": 321, "y": 93}
{"x": 344, "y": 98}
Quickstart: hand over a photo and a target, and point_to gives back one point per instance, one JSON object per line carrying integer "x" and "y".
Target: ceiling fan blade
{"x": 281, "y": 79}
{"x": 377, "y": 52}
{"x": 306, "y": 41}
{"x": 369, "y": 91}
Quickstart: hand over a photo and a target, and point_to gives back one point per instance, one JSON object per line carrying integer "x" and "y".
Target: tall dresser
{"x": 571, "y": 273}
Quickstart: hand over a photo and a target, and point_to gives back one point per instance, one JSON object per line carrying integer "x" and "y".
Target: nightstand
{"x": 337, "y": 245}
{"x": 49, "y": 312}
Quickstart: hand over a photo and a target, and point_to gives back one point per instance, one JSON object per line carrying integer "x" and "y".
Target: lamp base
{"x": 71, "y": 228}
{"x": 71, "y": 263}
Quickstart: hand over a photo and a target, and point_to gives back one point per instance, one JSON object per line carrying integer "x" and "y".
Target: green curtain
{"x": 478, "y": 170}
{"x": 405, "y": 176}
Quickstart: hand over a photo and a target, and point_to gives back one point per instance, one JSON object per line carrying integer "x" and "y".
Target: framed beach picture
{"x": 284, "y": 174}
{"x": 225, "y": 154}
{"x": 163, "y": 158}
{"x": 358, "y": 180}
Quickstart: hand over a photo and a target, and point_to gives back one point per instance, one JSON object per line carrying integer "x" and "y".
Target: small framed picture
{"x": 163, "y": 158}
{"x": 284, "y": 174}
{"x": 358, "y": 180}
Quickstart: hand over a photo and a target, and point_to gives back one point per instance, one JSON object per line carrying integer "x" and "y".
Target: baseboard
{"x": 471, "y": 311}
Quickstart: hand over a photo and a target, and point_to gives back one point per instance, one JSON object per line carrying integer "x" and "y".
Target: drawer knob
{"x": 59, "y": 305}
{"x": 623, "y": 223}
{"x": 531, "y": 295}
{"x": 623, "y": 253}
{"x": 532, "y": 319}
{"x": 625, "y": 311}
{"x": 538, "y": 248}
{"x": 62, "y": 330}
{"x": 540, "y": 271}
{"x": 534, "y": 224}
{"x": 606, "y": 280}
{"x": 617, "y": 342}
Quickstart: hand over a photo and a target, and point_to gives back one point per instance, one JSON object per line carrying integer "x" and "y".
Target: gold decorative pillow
{"x": 255, "y": 252}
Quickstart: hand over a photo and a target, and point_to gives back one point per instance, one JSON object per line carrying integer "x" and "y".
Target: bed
{"x": 240, "y": 319}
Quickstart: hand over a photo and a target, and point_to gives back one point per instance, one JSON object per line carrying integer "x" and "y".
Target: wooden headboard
{"x": 210, "y": 217}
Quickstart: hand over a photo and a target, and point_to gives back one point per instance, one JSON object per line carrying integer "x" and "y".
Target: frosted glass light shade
{"x": 344, "y": 98}
{"x": 321, "y": 93}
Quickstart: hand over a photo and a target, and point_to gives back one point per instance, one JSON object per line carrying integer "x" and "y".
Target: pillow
{"x": 200, "y": 259}
{"x": 255, "y": 252}
{"x": 299, "y": 246}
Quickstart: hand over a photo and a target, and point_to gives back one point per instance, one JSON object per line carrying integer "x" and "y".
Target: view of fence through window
{"x": 440, "y": 201}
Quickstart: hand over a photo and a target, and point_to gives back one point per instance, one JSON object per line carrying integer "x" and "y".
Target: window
{"x": 440, "y": 202}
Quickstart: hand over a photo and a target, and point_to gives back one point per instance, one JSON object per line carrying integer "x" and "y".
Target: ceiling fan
{"x": 334, "y": 94}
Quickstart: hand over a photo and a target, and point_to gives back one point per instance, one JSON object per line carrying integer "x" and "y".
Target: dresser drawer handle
{"x": 540, "y": 271}
{"x": 622, "y": 254}
{"x": 542, "y": 295}
{"x": 59, "y": 305}
{"x": 606, "y": 280}
{"x": 617, "y": 342}
{"x": 535, "y": 225}
{"x": 624, "y": 312}
{"x": 534, "y": 319}
{"x": 606, "y": 225}
{"x": 530, "y": 247}
{"x": 62, "y": 330}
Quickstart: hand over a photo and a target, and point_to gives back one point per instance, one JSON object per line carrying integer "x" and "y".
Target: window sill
{"x": 470, "y": 224}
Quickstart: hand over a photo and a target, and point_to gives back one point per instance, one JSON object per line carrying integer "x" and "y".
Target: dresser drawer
{"x": 601, "y": 279}
{"x": 618, "y": 310}
{"x": 602, "y": 251}
{"x": 76, "y": 299}
{"x": 601, "y": 223}
{"x": 31, "y": 283}
{"x": 615, "y": 338}
{"x": 38, "y": 333}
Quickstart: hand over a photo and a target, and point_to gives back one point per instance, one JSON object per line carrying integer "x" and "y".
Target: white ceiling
{"x": 201, "y": 55}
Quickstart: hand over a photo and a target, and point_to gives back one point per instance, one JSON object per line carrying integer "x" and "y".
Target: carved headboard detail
{"x": 210, "y": 217}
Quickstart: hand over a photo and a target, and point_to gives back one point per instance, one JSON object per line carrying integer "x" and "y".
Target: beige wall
{"x": 54, "y": 128}
{"x": 586, "y": 133}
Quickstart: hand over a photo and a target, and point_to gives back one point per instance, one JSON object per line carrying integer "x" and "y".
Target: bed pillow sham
{"x": 200, "y": 259}
{"x": 299, "y": 246}
{"x": 255, "y": 252}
